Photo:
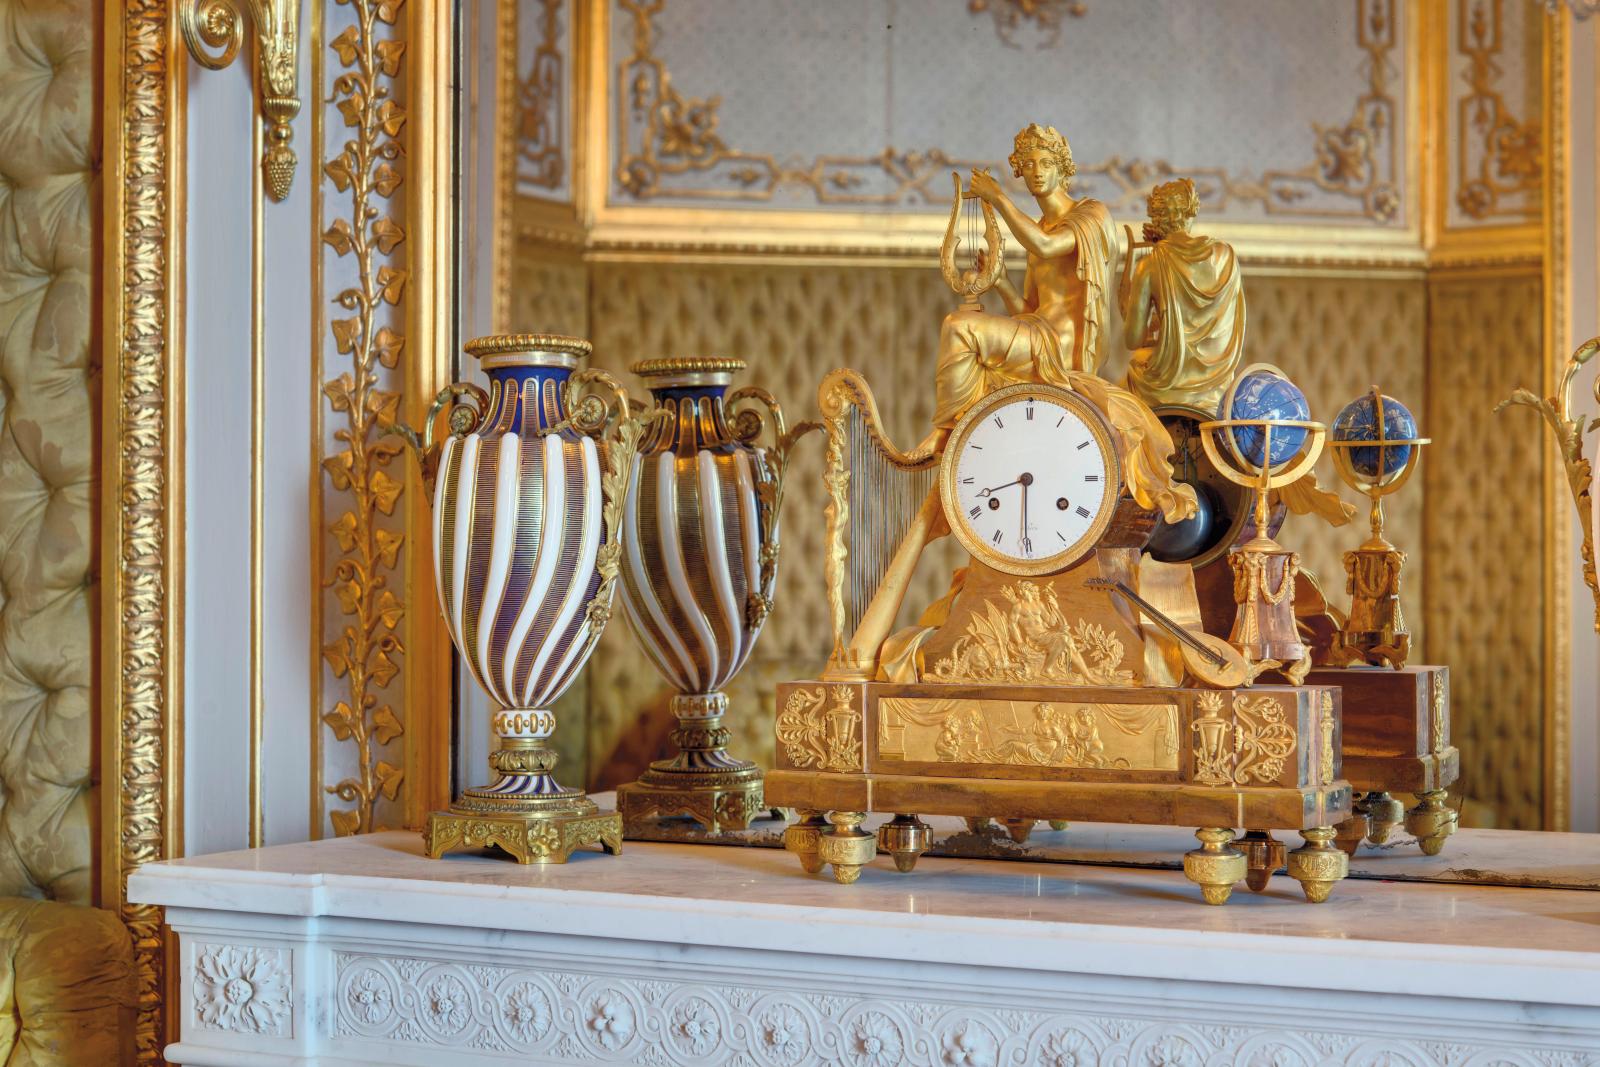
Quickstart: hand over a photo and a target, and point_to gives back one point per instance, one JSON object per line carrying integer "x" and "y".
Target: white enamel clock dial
{"x": 1030, "y": 479}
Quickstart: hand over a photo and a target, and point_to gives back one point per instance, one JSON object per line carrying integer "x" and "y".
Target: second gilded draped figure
{"x": 700, "y": 564}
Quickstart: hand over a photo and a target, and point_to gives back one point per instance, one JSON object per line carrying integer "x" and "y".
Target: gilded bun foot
{"x": 1059, "y": 824}
{"x": 1216, "y": 865}
{"x": 977, "y": 824}
{"x": 1264, "y": 854}
{"x": 527, "y": 837}
{"x": 1383, "y": 814}
{"x": 905, "y": 838}
{"x": 1431, "y": 821}
{"x": 1317, "y": 865}
{"x": 1349, "y": 834}
{"x": 1018, "y": 829}
{"x": 802, "y": 838}
{"x": 845, "y": 846}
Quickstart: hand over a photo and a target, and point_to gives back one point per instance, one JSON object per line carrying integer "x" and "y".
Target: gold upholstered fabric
{"x": 48, "y": 396}
{"x": 67, "y": 989}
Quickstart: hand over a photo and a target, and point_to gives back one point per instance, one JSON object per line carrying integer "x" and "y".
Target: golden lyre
{"x": 973, "y": 282}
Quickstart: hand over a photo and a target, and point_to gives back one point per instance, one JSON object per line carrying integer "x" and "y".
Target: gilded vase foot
{"x": 1317, "y": 865}
{"x": 905, "y": 838}
{"x": 1216, "y": 865}
{"x": 801, "y": 838}
{"x": 528, "y": 837}
{"x": 1059, "y": 824}
{"x": 718, "y": 801}
{"x": 1383, "y": 814}
{"x": 1431, "y": 821}
{"x": 1018, "y": 829}
{"x": 1264, "y": 855}
{"x": 846, "y": 846}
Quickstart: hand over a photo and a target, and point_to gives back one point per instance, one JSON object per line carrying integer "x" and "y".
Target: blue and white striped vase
{"x": 525, "y": 556}
{"x": 700, "y": 553}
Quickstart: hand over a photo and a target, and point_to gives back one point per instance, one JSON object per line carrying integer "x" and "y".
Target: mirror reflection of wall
{"x": 769, "y": 180}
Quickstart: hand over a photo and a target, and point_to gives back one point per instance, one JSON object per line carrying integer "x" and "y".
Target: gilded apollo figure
{"x": 1054, "y": 330}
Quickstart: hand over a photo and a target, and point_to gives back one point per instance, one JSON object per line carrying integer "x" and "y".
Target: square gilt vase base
{"x": 717, "y": 804}
{"x": 534, "y": 837}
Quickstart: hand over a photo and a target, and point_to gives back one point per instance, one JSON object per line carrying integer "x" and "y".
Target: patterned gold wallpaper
{"x": 1486, "y": 537}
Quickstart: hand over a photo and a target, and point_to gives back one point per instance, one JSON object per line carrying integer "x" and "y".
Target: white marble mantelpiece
{"x": 362, "y": 951}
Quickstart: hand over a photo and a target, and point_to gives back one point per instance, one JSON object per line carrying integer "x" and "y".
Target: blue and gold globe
{"x": 1265, "y": 393}
{"x": 1359, "y": 422}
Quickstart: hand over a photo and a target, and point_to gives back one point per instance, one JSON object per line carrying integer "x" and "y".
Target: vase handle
{"x": 467, "y": 403}
{"x": 748, "y": 425}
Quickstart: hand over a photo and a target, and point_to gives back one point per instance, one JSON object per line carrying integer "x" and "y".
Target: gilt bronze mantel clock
{"x": 1064, "y": 675}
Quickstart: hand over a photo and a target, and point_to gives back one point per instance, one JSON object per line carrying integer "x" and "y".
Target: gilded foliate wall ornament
{"x": 364, "y": 654}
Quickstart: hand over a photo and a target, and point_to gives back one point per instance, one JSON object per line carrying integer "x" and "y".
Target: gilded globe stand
{"x": 1375, "y": 630}
{"x": 1264, "y": 572}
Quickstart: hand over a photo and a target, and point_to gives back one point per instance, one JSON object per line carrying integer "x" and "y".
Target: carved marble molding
{"x": 557, "y": 1015}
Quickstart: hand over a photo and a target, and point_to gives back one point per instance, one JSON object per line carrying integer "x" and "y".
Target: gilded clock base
{"x": 1264, "y": 855}
{"x": 844, "y": 845}
{"x": 802, "y": 838}
{"x": 1216, "y": 866}
{"x": 717, "y": 800}
{"x": 1317, "y": 865}
{"x": 905, "y": 837}
{"x": 548, "y": 836}
{"x": 1349, "y": 834}
{"x": 1431, "y": 821}
{"x": 1383, "y": 814}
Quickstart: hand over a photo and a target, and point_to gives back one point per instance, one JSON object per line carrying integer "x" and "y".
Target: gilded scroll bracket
{"x": 214, "y": 31}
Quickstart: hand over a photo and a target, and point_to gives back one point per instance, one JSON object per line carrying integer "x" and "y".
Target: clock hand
{"x": 1027, "y": 545}
{"x": 988, "y": 492}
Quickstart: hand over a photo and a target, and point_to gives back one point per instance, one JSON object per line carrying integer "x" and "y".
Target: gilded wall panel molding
{"x": 364, "y": 275}
{"x": 665, "y": 137}
{"x": 142, "y": 481}
{"x": 541, "y": 100}
{"x": 1498, "y": 167}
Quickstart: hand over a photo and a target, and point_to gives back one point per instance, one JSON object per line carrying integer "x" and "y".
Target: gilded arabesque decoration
{"x": 365, "y": 653}
{"x": 1045, "y": 15}
{"x": 1500, "y": 157}
{"x": 816, "y": 733}
{"x": 540, "y": 103}
{"x": 665, "y": 134}
{"x": 139, "y": 820}
{"x": 1262, "y": 740}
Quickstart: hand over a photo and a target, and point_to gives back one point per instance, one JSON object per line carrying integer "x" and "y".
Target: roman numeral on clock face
{"x": 975, "y": 512}
{"x": 997, "y": 537}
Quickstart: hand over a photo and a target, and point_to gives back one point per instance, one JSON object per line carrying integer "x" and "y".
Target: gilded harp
{"x": 882, "y": 509}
